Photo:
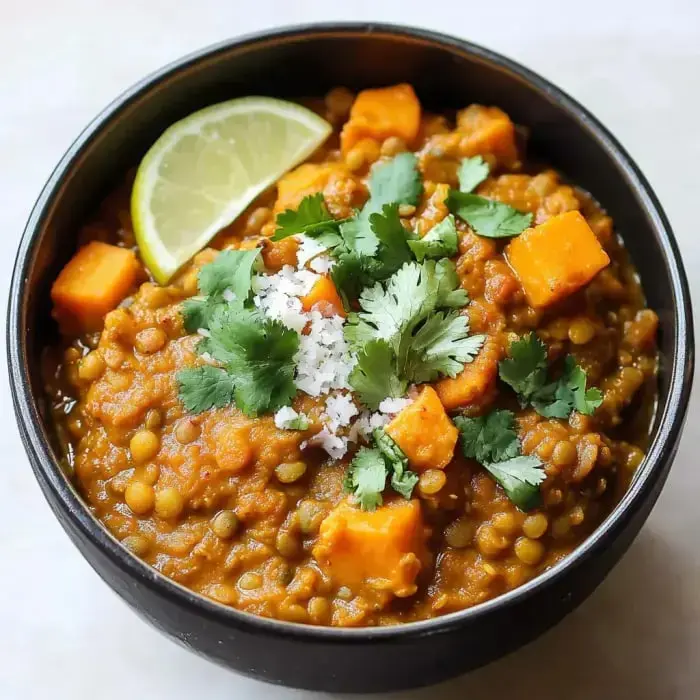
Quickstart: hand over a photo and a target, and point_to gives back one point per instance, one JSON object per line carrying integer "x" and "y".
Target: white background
{"x": 63, "y": 633}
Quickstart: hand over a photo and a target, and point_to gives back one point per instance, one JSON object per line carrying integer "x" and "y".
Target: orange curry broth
{"x": 198, "y": 496}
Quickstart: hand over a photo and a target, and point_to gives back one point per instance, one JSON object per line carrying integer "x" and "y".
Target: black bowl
{"x": 447, "y": 73}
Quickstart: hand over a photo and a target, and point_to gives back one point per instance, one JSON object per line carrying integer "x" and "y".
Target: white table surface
{"x": 636, "y": 64}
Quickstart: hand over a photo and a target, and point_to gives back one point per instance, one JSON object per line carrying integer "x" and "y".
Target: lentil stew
{"x": 337, "y": 507}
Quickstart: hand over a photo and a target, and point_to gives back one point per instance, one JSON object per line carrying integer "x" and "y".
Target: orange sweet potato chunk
{"x": 380, "y": 113}
{"x": 488, "y": 130}
{"x": 556, "y": 258}
{"x": 424, "y": 432}
{"x": 382, "y": 549}
{"x": 307, "y": 179}
{"x": 475, "y": 382}
{"x": 93, "y": 282}
{"x": 324, "y": 296}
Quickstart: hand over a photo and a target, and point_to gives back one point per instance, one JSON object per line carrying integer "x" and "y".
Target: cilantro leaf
{"x": 366, "y": 478}
{"x": 493, "y": 442}
{"x": 372, "y": 245}
{"x": 526, "y": 372}
{"x": 393, "y": 310}
{"x": 403, "y": 480}
{"x": 520, "y": 478}
{"x": 441, "y": 346}
{"x": 351, "y": 273}
{"x": 559, "y": 399}
{"x": 490, "y": 438}
{"x": 447, "y": 288}
{"x": 526, "y": 368}
{"x": 258, "y": 353}
{"x": 488, "y": 217}
{"x": 197, "y": 312}
{"x": 388, "y": 447}
{"x": 231, "y": 270}
{"x": 394, "y": 248}
{"x": 374, "y": 377}
{"x": 354, "y": 271}
{"x": 358, "y": 236}
{"x": 328, "y": 239}
{"x": 417, "y": 340}
{"x": 396, "y": 181}
{"x": 367, "y": 473}
{"x": 311, "y": 218}
{"x": 471, "y": 173}
{"x": 202, "y": 388}
{"x": 439, "y": 242}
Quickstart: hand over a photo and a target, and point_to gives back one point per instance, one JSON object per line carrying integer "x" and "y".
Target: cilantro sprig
{"x": 409, "y": 331}
{"x": 471, "y": 173}
{"x": 520, "y": 477}
{"x": 526, "y": 371}
{"x": 490, "y": 438}
{"x": 231, "y": 271}
{"x": 255, "y": 354}
{"x": 375, "y": 375}
{"x": 493, "y": 442}
{"x": 558, "y": 399}
{"x": 258, "y": 353}
{"x": 439, "y": 242}
{"x": 365, "y": 478}
{"x": 487, "y": 217}
{"x": 202, "y": 388}
{"x": 367, "y": 474}
{"x": 371, "y": 245}
{"x": 311, "y": 218}
{"x": 396, "y": 181}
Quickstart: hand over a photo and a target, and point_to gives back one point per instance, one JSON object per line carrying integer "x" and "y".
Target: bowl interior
{"x": 446, "y": 74}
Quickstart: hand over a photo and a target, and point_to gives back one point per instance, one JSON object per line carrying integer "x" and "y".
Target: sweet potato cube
{"x": 307, "y": 179}
{"x": 382, "y": 549}
{"x": 475, "y": 382}
{"x": 556, "y": 258}
{"x": 488, "y": 130}
{"x": 93, "y": 282}
{"x": 424, "y": 432}
{"x": 380, "y": 113}
{"x": 324, "y": 296}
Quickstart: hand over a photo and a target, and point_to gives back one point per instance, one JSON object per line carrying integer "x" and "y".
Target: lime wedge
{"x": 205, "y": 170}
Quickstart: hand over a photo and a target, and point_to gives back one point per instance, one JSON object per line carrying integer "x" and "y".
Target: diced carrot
{"x": 322, "y": 296}
{"x": 380, "y": 113}
{"x": 556, "y": 258}
{"x": 307, "y": 179}
{"x": 488, "y": 130}
{"x": 93, "y": 282}
{"x": 475, "y": 382}
{"x": 382, "y": 549}
{"x": 424, "y": 432}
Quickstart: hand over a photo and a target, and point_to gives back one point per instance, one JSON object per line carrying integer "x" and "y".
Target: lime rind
{"x": 233, "y": 146}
